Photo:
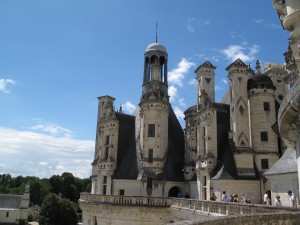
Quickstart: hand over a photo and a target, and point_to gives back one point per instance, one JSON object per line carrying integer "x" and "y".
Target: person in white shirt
{"x": 292, "y": 198}
{"x": 266, "y": 199}
{"x": 224, "y": 197}
{"x": 243, "y": 199}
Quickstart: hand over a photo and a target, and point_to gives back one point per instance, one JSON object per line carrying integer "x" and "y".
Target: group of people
{"x": 278, "y": 203}
{"x": 232, "y": 198}
{"x": 243, "y": 199}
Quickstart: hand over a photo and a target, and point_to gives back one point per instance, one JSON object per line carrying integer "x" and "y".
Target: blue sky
{"x": 58, "y": 56}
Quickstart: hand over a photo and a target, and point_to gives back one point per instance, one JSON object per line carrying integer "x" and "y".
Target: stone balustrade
{"x": 192, "y": 205}
{"x": 123, "y": 200}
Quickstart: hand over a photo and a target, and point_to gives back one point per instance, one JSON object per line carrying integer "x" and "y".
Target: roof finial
{"x": 156, "y": 33}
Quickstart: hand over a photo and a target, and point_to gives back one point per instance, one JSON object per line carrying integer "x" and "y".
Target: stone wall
{"x": 258, "y": 219}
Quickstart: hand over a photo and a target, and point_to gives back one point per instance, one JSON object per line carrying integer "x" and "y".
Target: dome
{"x": 156, "y": 47}
{"x": 260, "y": 81}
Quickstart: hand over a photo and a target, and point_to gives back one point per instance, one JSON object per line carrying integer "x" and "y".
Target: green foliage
{"x": 54, "y": 210}
{"x": 56, "y": 184}
{"x": 58, "y": 211}
{"x": 38, "y": 191}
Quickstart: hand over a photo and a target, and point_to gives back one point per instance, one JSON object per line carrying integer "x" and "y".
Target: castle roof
{"x": 206, "y": 64}
{"x": 237, "y": 63}
{"x": 127, "y": 164}
{"x": 260, "y": 81}
{"x": 156, "y": 47}
{"x": 10, "y": 201}
{"x": 286, "y": 164}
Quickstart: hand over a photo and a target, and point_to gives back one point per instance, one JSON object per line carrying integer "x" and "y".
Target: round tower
{"x": 277, "y": 73}
{"x": 154, "y": 113}
{"x": 263, "y": 117}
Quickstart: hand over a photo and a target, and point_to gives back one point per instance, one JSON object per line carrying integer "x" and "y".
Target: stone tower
{"x": 277, "y": 73}
{"x": 154, "y": 114}
{"x": 263, "y": 116}
{"x": 205, "y": 77}
{"x": 105, "y": 157}
{"x": 26, "y": 195}
{"x": 239, "y": 118}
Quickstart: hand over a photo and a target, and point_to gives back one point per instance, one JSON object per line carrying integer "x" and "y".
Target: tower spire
{"x": 156, "y": 33}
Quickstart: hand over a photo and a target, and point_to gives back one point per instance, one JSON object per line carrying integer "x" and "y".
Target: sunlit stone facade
{"x": 234, "y": 145}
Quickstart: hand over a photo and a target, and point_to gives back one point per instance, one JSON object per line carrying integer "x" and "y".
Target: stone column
{"x": 208, "y": 194}
{"x": 93, "y": 191}
{"x": 100, "y": 185}
{"x": 108, "y": 186}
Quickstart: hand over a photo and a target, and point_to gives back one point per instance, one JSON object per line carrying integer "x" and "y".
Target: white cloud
{"x": 3, "y": 85}
{"x": 190, "y": 25}
{"x": 218, "y": 87}
{"x": 199, "y": 55}
{"x": 179, "y": 113}
{"x": 181, "y": 101}
{"x": 245, "y": 53}
{"x": 129, "y": 107}
{"x": 172, "y": 91}
{"x": 52, "y": 129}
{"x": 225, "y": 81}
{"x": 176, "y": 75}
{"x": 259, "y": 21}
{"x": 193, "y": 82}
{"x": 30, "y": 153}
{"x": 204, "y": 22}
{"x": 266, "y": 24}
{"x": 43, "y": 163}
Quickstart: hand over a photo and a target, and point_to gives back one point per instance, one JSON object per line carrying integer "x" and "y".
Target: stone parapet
{"x": 257, "y": 219}
{"x": 124, "y": 210}
{"x": 209, "y": 207}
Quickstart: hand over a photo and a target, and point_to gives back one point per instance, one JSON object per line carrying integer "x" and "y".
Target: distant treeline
{"x": 66, "y": 186}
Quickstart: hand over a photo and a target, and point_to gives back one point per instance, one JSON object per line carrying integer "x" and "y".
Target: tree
{"x": 56, "y": 184}
{"x": 58, "y": 211}
{"x": 38, "y": 191}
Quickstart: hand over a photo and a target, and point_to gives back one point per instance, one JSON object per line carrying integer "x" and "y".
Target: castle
{"x": 225, "y": 146}
{"x": 237, "y": 145}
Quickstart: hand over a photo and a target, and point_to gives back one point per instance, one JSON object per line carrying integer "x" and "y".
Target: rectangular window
{"x": 267, "y": 106}
{"x": 150, "y": 155}
{"x": 264, "y": 136}
{"x": 7, "y": 214}
{"x": 149, "y": 182}
{"x": 104, "y": 179}
{"x": 104, "y": 190}
{"x": 107, "y": 140}
{"x": 151, "y": 130}
{"x": 121, "y": 192}
{"x": 106, "y": 153}
{"x": 264, "y": 163}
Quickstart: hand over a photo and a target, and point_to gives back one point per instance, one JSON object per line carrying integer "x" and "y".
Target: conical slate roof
{"x": 286, "y": 164}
